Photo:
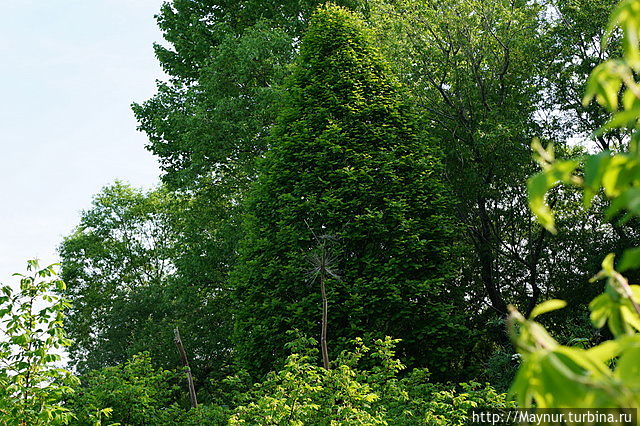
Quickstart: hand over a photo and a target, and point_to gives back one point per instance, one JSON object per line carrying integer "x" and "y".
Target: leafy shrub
{"x": 304, "y": 393}
{"x": 138, "y": 394}
{"x": 32, "y": 386}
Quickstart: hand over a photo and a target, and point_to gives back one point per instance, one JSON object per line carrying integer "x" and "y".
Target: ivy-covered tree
{"x": 348, "y": 166}
{"x": 208, "y": 123}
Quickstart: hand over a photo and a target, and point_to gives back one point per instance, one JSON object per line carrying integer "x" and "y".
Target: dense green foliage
{"x": 123, "y": 242}
{"x": 137, "y": 394}
{"x": 137, "y": 245}
{"x": 304, "y": 393}
{"x": 226, "y": 61}
{"x": 363, "y": 388}
{"x": 348, "y": 164}
{"x": 301, "y": 393}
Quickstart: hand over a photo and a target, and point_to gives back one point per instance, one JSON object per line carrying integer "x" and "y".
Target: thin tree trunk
{"x": 484, "y": 246}
{"x": 185, "y": 363}
{"x": 536, "y": 253}
{"x": 325, "y": 319}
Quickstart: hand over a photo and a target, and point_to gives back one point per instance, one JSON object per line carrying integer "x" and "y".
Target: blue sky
{"x": 69, "y": 70}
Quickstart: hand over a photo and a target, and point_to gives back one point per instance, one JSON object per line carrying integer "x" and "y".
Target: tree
{"x": 489, "y": 76}
{"x": 226, "y": 61}
{"x": 208, "y": 123}
{"x": 32, "y": 384}
{"x": 347, "y": 161}
{"x": 574, "y": 35}
{"x": 474, "y": 67}
{"x": 135, "y": 273}
{"x": 122, "y": 248}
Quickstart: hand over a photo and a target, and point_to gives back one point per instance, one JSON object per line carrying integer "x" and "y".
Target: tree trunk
{"x": 325, "y": 319}
{"x": 185, "y": 363}
{"x": 484, "y": 246}
{"x": 536, "y": 253}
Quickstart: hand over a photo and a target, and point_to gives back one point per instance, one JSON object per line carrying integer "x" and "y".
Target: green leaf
{"x": 547, "y": 306}
{"x": 595, "y": 166}
{"x": 627, "y": 118}
{"x": 630, "y": 317}
{"x": 628, "y": 367}
{"x": 627, "y": 16}
{"x": 629, "y": 200}
{"x": 607, "y": 263}
{"x": 604, "y": 84}
{"x": 538, "y": 186}
{"x": 600, "y": 307}
{"x": 523, "y": 386}
{"x": 605, "y": 351}
{"x": 630, "y": 259}
{"x": 611, "y": 180}
{"x": 616, "y": 324}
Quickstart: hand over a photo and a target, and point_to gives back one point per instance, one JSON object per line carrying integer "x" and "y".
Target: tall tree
{"x": 474, "y": 67}
{"x": 348, "y": 163}
{"x": 208, "y": 123}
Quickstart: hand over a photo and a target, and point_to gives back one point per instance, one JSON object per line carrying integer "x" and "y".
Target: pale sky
{"x": 69, "y": 70}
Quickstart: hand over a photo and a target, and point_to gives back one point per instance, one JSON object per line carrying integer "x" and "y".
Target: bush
{"x": 139, "y": 394}
{"x": 304, "y": 393}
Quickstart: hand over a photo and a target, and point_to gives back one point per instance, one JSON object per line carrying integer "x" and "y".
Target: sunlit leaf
{"x": 604, "y": 84}
{"x": 605, "y": 351}
{"x": 607, "y": 263}
{"x": 547, "y": 306}
{"x": 628, "y": 367}
{"x": 630, "y": 317}
{"x": 538, "y": 187}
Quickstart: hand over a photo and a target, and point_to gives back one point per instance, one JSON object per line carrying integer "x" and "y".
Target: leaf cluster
{"x": 32, "y": 338}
